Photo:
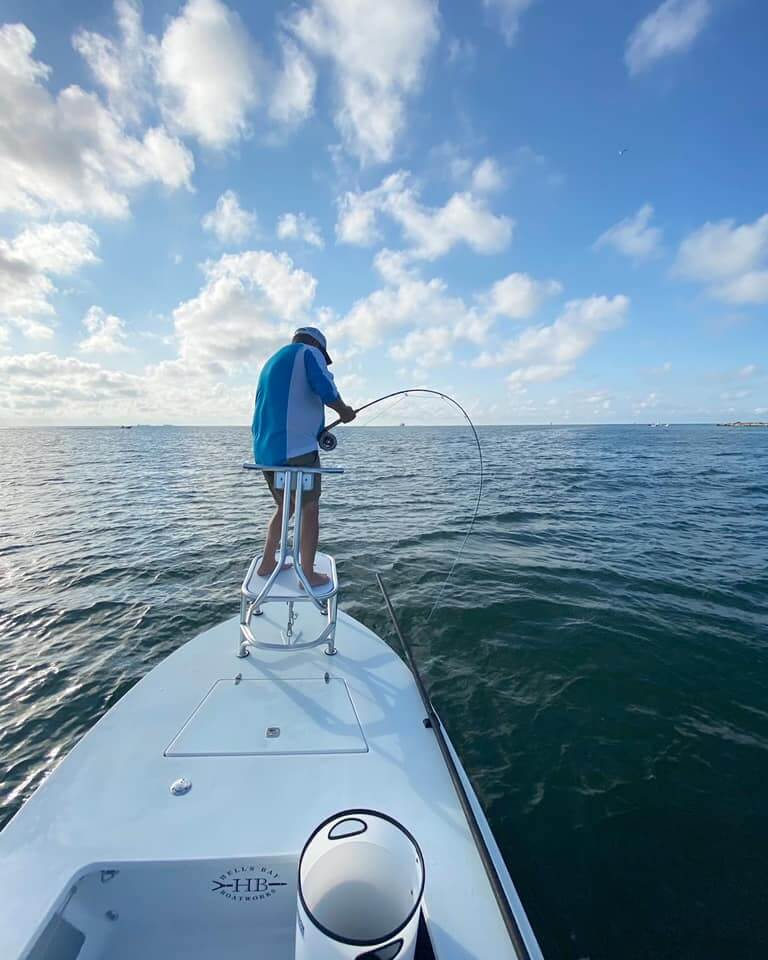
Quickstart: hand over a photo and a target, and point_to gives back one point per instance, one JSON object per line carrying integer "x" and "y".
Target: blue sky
{"x": 556, "y": 211}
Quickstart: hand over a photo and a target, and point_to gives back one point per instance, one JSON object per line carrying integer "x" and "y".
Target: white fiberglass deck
{"x": 250, "y": 717}
{"x": 212, "y": 874}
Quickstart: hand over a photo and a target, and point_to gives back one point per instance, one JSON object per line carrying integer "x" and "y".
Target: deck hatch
{"x": 239, "y": 719}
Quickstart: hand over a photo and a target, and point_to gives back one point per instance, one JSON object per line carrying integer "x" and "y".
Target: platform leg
{"x": 330, "y": 650}
{"x": 242, "y": 646}
{"x": 296, "y": 552}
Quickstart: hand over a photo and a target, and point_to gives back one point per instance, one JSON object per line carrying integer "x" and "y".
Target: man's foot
{"x": 265, "y": 568}
{"x": 317, "y": 579}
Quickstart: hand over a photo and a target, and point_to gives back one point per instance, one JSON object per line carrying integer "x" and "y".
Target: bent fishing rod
{"x": 328, "y": 441}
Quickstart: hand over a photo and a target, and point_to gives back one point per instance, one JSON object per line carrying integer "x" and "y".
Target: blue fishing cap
{"x": 316, "y": 335}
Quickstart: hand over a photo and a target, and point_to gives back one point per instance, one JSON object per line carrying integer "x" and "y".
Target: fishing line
{"x": 328, "y": 442}
{"x": 381, "y": 413}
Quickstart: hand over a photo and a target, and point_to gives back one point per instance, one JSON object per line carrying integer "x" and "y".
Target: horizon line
{"x": 551, "y": 423}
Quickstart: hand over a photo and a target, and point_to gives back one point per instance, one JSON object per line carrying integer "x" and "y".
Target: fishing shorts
{"x": 305, "y": 460}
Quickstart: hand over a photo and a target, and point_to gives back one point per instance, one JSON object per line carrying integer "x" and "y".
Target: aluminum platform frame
{"x": 257, "y": 591}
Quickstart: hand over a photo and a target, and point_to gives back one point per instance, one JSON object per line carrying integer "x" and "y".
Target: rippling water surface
{"x": 600, "y": 659}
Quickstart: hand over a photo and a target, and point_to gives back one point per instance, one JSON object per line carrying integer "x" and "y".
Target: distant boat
{"x": 127, "y": 427}
{"x": 402, "y": 424}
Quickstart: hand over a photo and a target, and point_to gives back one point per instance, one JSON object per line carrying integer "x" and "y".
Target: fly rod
{"x": 433, "y": 721}
{"x": 328, "y": 441}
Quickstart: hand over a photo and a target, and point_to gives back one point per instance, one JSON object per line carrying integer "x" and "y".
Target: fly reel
{"x": 327, "y": 441}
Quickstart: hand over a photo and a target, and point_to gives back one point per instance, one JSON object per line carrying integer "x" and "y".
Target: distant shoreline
{"x": 744, "y": 423}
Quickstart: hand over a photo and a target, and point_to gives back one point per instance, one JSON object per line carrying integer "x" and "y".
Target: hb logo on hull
{"x": 247, "y": 884}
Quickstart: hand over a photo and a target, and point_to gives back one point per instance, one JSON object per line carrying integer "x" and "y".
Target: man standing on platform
{"x": 294, "y": 386}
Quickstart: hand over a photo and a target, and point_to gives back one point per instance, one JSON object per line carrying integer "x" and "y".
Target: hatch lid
{"x": 271, "y": 717}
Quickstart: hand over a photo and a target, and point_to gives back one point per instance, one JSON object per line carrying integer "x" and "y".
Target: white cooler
{"x": 361, "y": 880}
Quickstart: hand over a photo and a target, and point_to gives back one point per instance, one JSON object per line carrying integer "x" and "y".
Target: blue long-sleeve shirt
{"x": 294, "y": 385}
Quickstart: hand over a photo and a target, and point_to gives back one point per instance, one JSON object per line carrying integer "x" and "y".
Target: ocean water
{"x": 600, "y": 657}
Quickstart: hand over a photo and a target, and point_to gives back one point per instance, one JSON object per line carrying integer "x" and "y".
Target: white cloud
{"x": 519, "y": 296}
{"x": 206, "y": 74}
{"x": 748, "y": 371}
{"x": 394, "y": 266}
{"x": 356, "y": 223}
{"x": 107, "y": 332}
{"x": 451, "y": 157}
{"x": 732, "y": 260}
{"x": 537, "y": 373}
{"x": 598, "y": 402}
{"x": 248, "y": 307}
{"x": 718, "y": 251}
{"x": 671, "y": 28}
{"x": 46, "y": 384}
{"x": 352, "y": 386}
{"x": 294, "y": 90}
{"x": 487, "y": 177}
{"x": 431, "y": 231}
{"x": 228, "y": 221}
{"x": 60, "y": 248}
{"x": 414, "y": 301}
{"x": 407, "y": 301}
{"x": 343, "y": 355}
{"x": 44, "y": 387}
{"x": 425, "y": 348}
{"x": 26, "y": 265}
{"x": 298, "y": 226}
{"x": 634, "y": 236}
{"x": 735, "y": 394}
{"x": 433, "y": 320}
{"x": 748, "y": 288}
{"x": 209, "y": 71}
{"x": 70, "y": 153}
{"x": 652, "y": 400}
{"x": 379, "y": 51}
{"x": 509, "y": 13}
{"x": 552, "y": 350}
{"x": 29, "y": 326}
{"x": 123, "y": 68}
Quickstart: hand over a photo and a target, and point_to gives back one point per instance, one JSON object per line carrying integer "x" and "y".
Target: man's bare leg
{"x": 310, "y": 533}
{"x": 268, "y": 562}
